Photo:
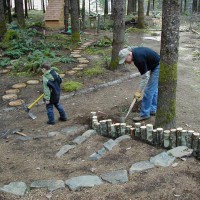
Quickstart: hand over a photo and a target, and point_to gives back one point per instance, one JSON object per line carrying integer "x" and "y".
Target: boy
{"x": 51, "y": 87}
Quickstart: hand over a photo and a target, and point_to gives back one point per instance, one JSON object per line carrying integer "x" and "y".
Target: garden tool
{"x": 122, "y": 119}
{"x": 27, "y": 108}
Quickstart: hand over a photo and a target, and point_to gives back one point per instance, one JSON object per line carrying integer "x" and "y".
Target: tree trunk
{"x": 140, "y": 14}
{"x": 9, "y": 12}
{"x": 194, "y": 6}
{"x": 185, "y": 5}
{"x": 166, "y": 111}
{"x": 199, "y": 7}
{"x": 26, "y": 8}
{"x": 2, "y": 20}
{"x": 130, "y": 7}
{"x": 20, "y": 13}
{"x": 153, "y": 5}
{"x": 118, "y": 32}
{"x": 112, "y": 7}
{"x": 75, "y": 21}
{"x": 83, "y": 15}
{"x": 134, "y": 6}
{"x": 148, "y": 7}
{"x": 66, "y": 15}
{"x": 106, "y": 8}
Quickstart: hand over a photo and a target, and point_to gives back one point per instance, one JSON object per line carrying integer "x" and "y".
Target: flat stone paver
{"x": 121, "y": 138}
{"x": 141, "y": 166}
{"x": 17, "y": 102}
{"x": 7, "y": 97}
{"x": 64, "y": 149}
{"x": 89, "y": 133}
{"x": 50, "y": 184}
{"x": 78, "y": 182}
{"x": 16, "y": 188}
{"x": 79, "y": 140}
{"x": 180, "y": 151}
{"x": 114, "y": 177}
{"x": 109, "y": 144}
{"x": 19, "y": 85}
{"x": 12, "y": 91}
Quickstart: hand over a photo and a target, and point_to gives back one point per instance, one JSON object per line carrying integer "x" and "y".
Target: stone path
{"x": 84, "y": 181}
{"x": 11, "y": 95}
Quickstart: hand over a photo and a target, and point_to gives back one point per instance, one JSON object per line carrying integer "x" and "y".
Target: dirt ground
{"x": 35, "y": 159}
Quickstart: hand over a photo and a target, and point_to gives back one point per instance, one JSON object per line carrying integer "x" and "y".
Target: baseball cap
{"x": 123, "y": 54}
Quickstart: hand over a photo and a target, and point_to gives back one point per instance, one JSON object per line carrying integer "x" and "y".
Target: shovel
{"x": 122, "y": 119}
{"x": 27, "y": 108}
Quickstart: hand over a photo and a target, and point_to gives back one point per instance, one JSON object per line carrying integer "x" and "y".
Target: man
{"x": 51, "y": 87}
{"x": 147, "y": 62}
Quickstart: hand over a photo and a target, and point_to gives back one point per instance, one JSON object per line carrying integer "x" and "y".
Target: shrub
{"x": 94, "y": 71}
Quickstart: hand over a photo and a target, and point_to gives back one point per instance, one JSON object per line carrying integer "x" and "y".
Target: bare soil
{"x": 35, "y": 159}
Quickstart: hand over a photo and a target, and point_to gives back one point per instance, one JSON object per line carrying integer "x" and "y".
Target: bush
{"x": 94, "y": 71}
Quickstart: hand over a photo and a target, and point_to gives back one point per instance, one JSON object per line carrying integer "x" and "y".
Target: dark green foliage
{"x": 4, "y": 62}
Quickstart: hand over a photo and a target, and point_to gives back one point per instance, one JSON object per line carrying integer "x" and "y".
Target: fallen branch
{"x": 195, "y": 31}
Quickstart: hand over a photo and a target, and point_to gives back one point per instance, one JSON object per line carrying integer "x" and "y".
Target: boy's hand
{"x": 47, "y": 101}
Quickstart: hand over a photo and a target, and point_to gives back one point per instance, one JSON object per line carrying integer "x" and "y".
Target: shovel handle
{"x": 130, "y": 108}
{"x": 36, "y": 101}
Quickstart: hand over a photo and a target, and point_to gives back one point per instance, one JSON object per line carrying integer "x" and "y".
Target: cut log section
{"x": 33, "y": 82}
{"x": 9, "y": 97}
{"x": 19, "y": 85}
{"x": 17, "y": 102}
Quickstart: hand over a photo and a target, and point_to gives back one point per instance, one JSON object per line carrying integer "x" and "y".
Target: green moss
{"x": 70, "y": 86}
{"x": 75, "y": 37}
{"x": 136, "y": 30}
{"x": 114, "y": 64}
{"x": 94, "y": 71}
{"x": 167, "y": 72}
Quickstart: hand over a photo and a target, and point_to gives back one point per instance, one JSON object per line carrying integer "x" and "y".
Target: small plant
{"x": 70, "y": 86}
{"x": 196, "y": 55}
{"x": 136, "y": 30}
{"x": 4, "y": 62}
{"x": 94, "y": 71}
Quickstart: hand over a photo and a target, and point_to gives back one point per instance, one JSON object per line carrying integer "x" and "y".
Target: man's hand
{"x": 47, "y": 101}
{"x": 137, "y": 95}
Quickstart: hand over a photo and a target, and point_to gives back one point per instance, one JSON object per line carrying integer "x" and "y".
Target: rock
{"x": 82, "y": 65}
{"x": 4, "y": 71}
{"x": 109, "y": 144}
{"x": 18, "y": 102}
{"x": 89, "y": 133}
{"x": 123, "y": 137}
{"x": 53, "y": 134}
{"x": 180, "y": 151}
{"x": 76, "y": 55}
{"x": 115, "y": 177}
{"x": 95, "y": 156}
{"x": 77, "y": 68}
{"x": 76, "y": 183}
{"x": 19, "y": 85}
{"x": 12, "y": 91}
{"x": 9, "y": 97}
{"x": 33, "y": 82}
{"x": 79, "y": 140}
{"x": 141, "y": 166}
{"x": 163, "y": 159}
{"x": 50, "y": 184}
{"x": 64, "y": 150}
{"x": 73, "y": 130}
{"x": 16, "y": 188}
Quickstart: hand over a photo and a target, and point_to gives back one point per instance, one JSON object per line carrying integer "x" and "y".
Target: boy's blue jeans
{"x": 149, "y": 101}
{"x": 50, "y": 114}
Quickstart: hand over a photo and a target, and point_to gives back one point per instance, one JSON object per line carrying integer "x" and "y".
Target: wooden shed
{"x": 54, "y": 16}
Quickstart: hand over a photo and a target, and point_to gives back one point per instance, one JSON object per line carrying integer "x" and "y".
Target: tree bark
{"x": 118, "y": 32}
{"x": 9, "y": 12}
{"x": 75, "y": 21}
{"x": 26, "y": 8}
{"x": 106, "y": 8}
{"x": 66, "y": 15}
{"x": 166, "y": 111}
{"x": 134, "y": 6}
{"x": 20, "y": 13}
{"x": 2, "y": 21}
{"x": 83, "y": 15}
{"x": 140, "y": 14}
{"x": 148, "y": 8}
{"x": 194, "y": 6}
{"x": 130, "y": 7}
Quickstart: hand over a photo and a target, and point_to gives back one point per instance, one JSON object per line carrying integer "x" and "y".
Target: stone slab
{"x": 64, "y": 149}
{"x": 78, "y": 182}
{"x": 115, "y": 177}
{"x": 89, "y": 133}
{"x": 180, "y": 151}
{"x": 109, "y": 144}
{"x": 79, "y": 140}
{"x": 141, "y": 166}
{"x": 121, "y": 138}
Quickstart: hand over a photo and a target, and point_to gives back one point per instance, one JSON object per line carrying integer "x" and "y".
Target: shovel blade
{"x": 32, "y": 116}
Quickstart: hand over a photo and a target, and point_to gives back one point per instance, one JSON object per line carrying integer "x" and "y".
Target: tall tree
{"x": 2, "y": 20}
{"x": 199, "y": 6}
{"x": 9, "y": 11}
{"x": 140, "y": 14}
{"x": 166, "y": 111}
{"x": 75, "y": 21}
{"x": 130, "y": 7}
{"x": 66, "y": 15}
{"x": 118, "y": 32}
{"x": 148, "y": 7}
{"x": 135, "y": 6}
{"x": 20, "y": 13}
{"x": 194, "y": 6}
{"x": 26, "y": 8}
{"x": 106, "y": 8}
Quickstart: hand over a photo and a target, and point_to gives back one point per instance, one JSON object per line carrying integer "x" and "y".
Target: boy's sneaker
{"x": 50, "y": 123}
{"x": 62, "y": 119}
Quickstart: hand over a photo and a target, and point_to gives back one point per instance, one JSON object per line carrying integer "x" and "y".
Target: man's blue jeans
{"x": 50, "y": 114}
{"x": 149, "y": 101}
